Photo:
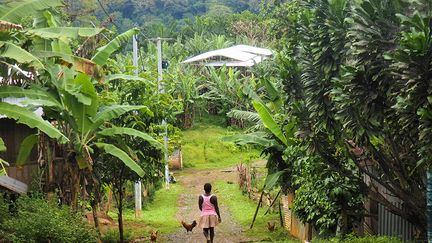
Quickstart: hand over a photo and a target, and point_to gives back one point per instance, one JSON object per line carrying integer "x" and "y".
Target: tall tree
{"x": 359, "y": 72}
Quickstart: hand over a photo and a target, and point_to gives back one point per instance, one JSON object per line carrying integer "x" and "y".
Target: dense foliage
{"x": 40, "y": 221}
{"x": 154, "y": 14}
{"x": 65, "y": 86}
{"x": 347, "y": 96}
{"x": 356, "y": 75}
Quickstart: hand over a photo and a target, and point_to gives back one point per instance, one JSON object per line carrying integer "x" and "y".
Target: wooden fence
{"x": 291, "y": 223}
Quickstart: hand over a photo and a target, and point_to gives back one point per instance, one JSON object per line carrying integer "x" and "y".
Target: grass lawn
{"x": 243, "y": 209}
{"x": 159, "y": 214}
{"x": 202, "y": 147}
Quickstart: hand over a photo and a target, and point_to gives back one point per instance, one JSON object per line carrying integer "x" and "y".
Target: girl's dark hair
{"x": 207, "y": 187}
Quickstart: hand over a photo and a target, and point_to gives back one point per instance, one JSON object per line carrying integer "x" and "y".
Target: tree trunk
{"x": 94, "y": 202}
{"x": 342, "y": 227}
{"x": 109, "y": 201}
{"x": 120, "y": 213}
{"x": 120, "y": 203}
{"x": 256, "y": 211}
{"x": 95, "y": 217}
{"x": 429, "y": 205}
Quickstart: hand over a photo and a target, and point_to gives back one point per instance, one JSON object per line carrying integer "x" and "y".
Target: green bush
{"x": 40, "y": 221}
{"x": 4, "y": 210}
{"x": 354, "y": 239}
{"x": 112, "y": 236}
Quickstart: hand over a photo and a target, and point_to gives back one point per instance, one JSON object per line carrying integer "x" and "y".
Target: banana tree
{"x": 146, "y": 151}
{"x": 72, "y": 102}
{"x": 226, "y": 90}
{"x": 46, "y": 37}
{"x": 66, "y": 94}
{"x": 273, "y": 133}
{"x": 184, "y": 88}
{"x": 274, "y": 139}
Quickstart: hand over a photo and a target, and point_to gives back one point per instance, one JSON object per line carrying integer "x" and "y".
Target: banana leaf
{"x": 257, "y": 138}
{"x": 64, "y": 32}
{"x": 37, "y": 96}
{"x": 16, "y": 10}
{"x": 268, "y": 121}
{"x": 25, "y": 148}
{"x": 81, "y": 98}
{"x": 131, "y": 132}
{"x": 272, "y": 179}
{"x": 24, "y": 116}
{"x": 105, "y": 52}
{"x": 244, "y": 115}
{"x": 111, "y": 112}
{"x": 2, "y": 146}
{"x": 20, "y": 55}
{"x": 121, "y": 155}
{"x": 124, "y": 77}
{"x": 78, "y": 63}
{"x": 7, "y": 26}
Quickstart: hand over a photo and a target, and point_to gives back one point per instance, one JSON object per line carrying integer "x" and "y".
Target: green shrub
{"x": 354, "y": 239}
{"x": 112, "y": 236}
{"x": 40, "y": 221}
{"x": 4, "y": 210}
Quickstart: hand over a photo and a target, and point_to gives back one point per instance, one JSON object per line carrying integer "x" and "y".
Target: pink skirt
{"x": 208, "y": 221}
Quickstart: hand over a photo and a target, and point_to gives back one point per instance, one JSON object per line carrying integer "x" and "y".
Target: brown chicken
{"x": 271, "y": 226}
{"x": 189, "y": 227}
{"x": 153, "y": 235}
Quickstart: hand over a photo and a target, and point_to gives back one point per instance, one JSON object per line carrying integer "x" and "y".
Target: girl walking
{"x": 210, "y": 215}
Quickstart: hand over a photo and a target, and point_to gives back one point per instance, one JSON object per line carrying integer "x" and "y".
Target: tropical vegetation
{"x": 342, "y": 113}
{"x": 354, "y": 74}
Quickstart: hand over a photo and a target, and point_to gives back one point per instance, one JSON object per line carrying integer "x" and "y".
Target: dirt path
{"x": 193, "y": 180}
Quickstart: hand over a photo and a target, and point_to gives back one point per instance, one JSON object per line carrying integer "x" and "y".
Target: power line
{"x": 107, "y": 14}
{"x": 114, "y": 22}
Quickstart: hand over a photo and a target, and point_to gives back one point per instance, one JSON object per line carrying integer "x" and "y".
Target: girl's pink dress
{"x": 209, "y": 216}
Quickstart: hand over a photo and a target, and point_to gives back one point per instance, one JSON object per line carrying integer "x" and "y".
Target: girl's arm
{"x": 214, "y": 201}
{"x": 200, "y": 202}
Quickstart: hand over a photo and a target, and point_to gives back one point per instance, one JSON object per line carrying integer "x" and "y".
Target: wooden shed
{"x": 13, "y": 134}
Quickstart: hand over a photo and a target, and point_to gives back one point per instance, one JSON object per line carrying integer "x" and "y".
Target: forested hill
{"x": 150, "y": 13}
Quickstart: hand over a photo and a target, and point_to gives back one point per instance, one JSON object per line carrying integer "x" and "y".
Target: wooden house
{"x": 13, "y": 135}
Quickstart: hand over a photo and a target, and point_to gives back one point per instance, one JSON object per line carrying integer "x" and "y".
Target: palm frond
{"x": 245, "y": 116}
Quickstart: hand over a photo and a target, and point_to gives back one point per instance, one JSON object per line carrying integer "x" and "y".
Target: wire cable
{"x": 108, "y": 15}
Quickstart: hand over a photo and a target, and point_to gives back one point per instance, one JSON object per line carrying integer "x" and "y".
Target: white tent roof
{"x": 235, "y": 56}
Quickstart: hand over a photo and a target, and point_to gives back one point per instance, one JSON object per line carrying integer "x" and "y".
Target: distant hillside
{"x": 145, "y": 13}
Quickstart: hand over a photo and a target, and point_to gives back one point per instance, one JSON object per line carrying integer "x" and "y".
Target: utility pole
{"x": 162, "y": 90}
{"x": 138, "y": 191}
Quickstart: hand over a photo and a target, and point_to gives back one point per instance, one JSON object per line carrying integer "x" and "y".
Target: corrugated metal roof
{"x": 13, "y": 184}
{"x": 18, "y": 102}
{"x": 248, "y": 63}
{"x": 254, "y": 50}
{"x": 235, "y": 56}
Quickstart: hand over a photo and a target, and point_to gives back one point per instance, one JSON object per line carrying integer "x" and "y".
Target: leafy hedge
{"x": 40, "y": 221}
{"x": 353, "y": 239}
